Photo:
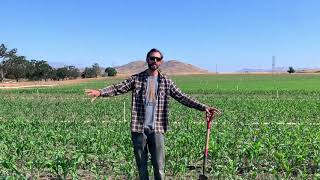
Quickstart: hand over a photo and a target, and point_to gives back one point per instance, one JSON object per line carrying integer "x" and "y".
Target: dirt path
{"x": 31, "y": 84}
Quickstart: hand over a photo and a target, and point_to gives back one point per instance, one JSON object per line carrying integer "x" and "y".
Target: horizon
{"x": 249, "y": 69}
{"x": 231, "y": 35}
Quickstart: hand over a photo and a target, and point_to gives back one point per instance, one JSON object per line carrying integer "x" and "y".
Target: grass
{"x": 57, "y": 132}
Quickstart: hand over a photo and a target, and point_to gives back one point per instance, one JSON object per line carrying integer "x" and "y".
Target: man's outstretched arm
{"x": 184, "y": 99}
{"x": 112, "y": 90}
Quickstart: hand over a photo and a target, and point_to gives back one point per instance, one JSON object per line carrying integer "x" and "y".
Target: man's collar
{"x": 160, "y": 74}
{"x": 145, "y": 73}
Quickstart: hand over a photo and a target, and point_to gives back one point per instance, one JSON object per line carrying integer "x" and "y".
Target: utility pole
{"x": 273, "y": 64}
{"x": 216, "y": 68}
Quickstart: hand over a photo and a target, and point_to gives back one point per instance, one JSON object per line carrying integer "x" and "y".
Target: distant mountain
{"x": 282, "y": 69}
{"x": 168, "y": 67}
{"x": 132, "y": 67}
{"x": 308, "y": 70}
{"x": 56, "y": 64}
{"x": 278, "y": 69}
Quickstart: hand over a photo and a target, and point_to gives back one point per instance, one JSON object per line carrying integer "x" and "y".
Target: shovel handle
{"x": 209, "y": 118}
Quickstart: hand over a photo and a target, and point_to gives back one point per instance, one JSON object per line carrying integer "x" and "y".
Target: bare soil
{"x": 28, "y": 84}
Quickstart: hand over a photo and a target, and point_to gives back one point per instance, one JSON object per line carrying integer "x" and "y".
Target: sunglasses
{"x": 155, "y": 59}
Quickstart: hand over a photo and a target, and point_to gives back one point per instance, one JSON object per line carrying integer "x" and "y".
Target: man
{"x": 150, "y": 111}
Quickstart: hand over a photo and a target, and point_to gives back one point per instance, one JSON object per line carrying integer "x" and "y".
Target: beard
{"x": 153, "y": 66}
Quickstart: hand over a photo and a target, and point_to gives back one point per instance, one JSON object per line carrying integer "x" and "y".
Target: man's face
{"x": 154, "y": 61}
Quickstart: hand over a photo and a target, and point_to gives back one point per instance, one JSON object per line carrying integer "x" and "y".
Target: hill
{"x": 279, "y": 70}
{"x": 168, "y": 67}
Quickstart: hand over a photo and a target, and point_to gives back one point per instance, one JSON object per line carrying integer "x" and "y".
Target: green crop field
{"x": 269, "y": 129}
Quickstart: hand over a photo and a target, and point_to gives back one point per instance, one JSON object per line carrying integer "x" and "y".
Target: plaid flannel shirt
{"x": 166, "y": 87}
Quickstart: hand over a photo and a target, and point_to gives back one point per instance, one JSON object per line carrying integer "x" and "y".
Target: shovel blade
{"x": 203, "y": 177}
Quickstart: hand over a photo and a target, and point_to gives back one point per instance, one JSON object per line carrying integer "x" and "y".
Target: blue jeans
{"x": 152, "y": 142}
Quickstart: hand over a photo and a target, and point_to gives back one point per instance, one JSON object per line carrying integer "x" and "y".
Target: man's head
{"x": 154, "y": 59}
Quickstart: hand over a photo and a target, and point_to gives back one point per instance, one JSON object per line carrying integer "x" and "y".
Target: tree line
{"x": 13, "y": 66}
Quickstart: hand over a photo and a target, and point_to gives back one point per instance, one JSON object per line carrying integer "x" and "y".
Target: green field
{"x": 269, "y": 129}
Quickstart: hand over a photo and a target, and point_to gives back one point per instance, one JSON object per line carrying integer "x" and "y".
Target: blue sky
{"x": 231, "y": 34}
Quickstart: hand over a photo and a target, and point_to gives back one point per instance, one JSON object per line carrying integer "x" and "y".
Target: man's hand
{"x": 93, "y": 93}
{"x": 214, "y": 110}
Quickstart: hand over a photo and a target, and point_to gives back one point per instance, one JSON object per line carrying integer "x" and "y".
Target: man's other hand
{"x": 92, "y": 92}
{"x": 209, "y": 110}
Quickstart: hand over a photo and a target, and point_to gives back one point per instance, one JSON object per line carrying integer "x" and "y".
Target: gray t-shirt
{"x": 151, "y": 101}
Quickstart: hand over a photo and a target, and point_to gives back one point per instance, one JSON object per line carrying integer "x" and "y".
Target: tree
{"x": 62, "y": 73}
{"x": 53, "y": 74}
{"x": 4, "y": 55}
{"x": 39, "y": 70}
{"x": 91, "y": 72}
{"x": 110, "y": 71}
{"x": 96, "y": 69}
{"x": 291, "y": 70}
{"x": 73, "y": 72}
{"x": 16, "y": 67}
{"x": 88, "y": 73}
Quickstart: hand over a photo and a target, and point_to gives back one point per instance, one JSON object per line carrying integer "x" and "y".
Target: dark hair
{"x": 152, "y": 51}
